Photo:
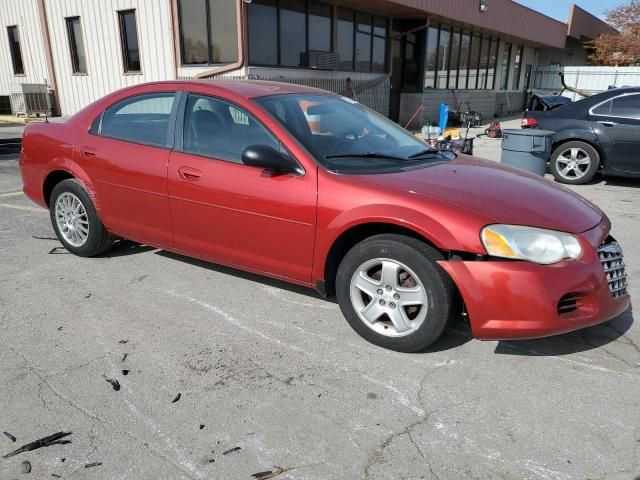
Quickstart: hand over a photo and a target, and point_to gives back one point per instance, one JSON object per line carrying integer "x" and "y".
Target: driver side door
{"x": 231, "y": 213}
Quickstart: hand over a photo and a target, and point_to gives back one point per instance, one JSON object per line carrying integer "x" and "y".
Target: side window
{"x": 219, "y": 129}
{"x": 603, "y": 109}
{"x": 140, "y": 119}
{"x": 627, "y": 106}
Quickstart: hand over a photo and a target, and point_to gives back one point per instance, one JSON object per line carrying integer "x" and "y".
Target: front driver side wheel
{"x": 393, "y": 293}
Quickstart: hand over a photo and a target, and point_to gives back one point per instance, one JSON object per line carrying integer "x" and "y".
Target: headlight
{"x": 529, "y": 243}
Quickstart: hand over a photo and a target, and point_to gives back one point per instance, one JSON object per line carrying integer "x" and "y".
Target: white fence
{"x": 592, "y": 79}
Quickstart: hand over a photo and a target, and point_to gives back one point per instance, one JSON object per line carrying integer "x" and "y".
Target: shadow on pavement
{"x": 574, "y": 342}
{"x": 253, "y": 277}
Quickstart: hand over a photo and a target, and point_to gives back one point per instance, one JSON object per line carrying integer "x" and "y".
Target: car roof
{"x": 255, "y": 88}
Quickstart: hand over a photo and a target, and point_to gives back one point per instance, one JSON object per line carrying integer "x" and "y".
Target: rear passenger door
{"x": 126, "y": 153}
{"x": 231, "y": 213}
{"x": 617, "y": 125}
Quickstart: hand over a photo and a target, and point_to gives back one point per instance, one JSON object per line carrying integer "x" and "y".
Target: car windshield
{"x": 347, "y": 137}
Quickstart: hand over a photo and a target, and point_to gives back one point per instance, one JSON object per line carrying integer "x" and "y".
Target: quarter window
{"x": 221, "y": 130}
{"x": 76, "y": 45}
{"x": 16, "y": 52}
{"x": 129, "y": 41}
{"x": 140, "y": 119}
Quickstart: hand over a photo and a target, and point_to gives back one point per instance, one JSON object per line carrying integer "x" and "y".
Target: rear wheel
{"x": 393, "y": 293}
{"x": 574, "y": 162}
{"x": 75, "y": 220}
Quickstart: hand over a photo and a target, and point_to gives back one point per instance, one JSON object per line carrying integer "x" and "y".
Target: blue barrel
{"x": 527, "y": 149}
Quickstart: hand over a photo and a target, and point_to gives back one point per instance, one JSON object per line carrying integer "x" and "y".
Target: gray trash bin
{"x": 527, "y": 149}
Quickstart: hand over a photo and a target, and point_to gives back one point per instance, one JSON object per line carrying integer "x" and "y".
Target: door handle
{"x": 189, "y": 174}
{"x": 87, "y": 152}
{"x": 607, "y": 124}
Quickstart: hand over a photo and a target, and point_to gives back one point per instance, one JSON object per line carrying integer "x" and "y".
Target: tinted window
{"x": 193, "y": 31}
{"x": 604, "y": 109}
{"x": 76, "y": 45}
{"x": 293, "y": 33}
{"x": 140, "y": 119}
{"x": 219, "y": 129}
{"x": 263, "y": 32}
{"x": 319, "y": 27}
{"x": 129, "y": 41}
{"x": 345, "y": 39}
{"x": 627, "y": 106}
{"x": 16, "y": 53}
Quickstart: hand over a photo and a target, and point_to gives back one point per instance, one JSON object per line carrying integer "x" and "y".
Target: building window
{"x": 208, "y": 32}
{"x": 474, "y": 61}
{"x": 517, "y": 68}
{"x": 454, "y": 61}
{"x": 493, "y": 64}
{"x": 463, "y": 65}
{"x": 505, "y": 66}
{"x": 444, "y": 46}
{"x": 431, "y": 57}
{"x": 129, "y": 41}
{"x": 76, "y": 45}
{"x": 263, "y": 32}
{"x": 16, "y": 52}
{"x": 293, "y": 33}
{"x": 319, "y": 27}
{"x": 290, "y": 33}
{"x": 345, "y": 39}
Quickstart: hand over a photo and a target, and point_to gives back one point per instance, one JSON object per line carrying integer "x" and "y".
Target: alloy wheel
{"x": 388, "y": 297}
{"x": 573, "y": 163}
{"x": 72, "y": 219}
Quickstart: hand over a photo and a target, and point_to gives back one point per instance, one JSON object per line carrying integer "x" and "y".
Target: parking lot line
{"x": 11, "y": 194}
{"x": 23, "y": 207}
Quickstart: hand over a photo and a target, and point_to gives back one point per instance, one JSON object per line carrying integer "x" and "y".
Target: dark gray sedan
{"x": 597, "y": 133}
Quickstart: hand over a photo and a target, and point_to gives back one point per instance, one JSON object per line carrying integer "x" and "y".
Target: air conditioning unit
{"x": 323, "y": 60}
{"x": 30, "y": 99}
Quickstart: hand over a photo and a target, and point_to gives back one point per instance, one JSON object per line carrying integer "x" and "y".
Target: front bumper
{"x": 516, "y": 299}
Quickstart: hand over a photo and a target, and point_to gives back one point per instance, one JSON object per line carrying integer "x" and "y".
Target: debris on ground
{"x": 124, "y": 357}
{"x": 44, "y": 238}
{"x": 123, "y": 341}
{"x": 55, "y": 439}
{"x": 114, "y": 383}
{"x": 91, "y": 465}
{"x": 54, "y": 251}
{"x": 270, "y": 473}
{"x": 55, "y": 475}
{"x": 125, "y": 372}
{"x": 201, "y": 426}
{"x": 231, "y": 450}
{"x": 88, "y": 295}
{"x": 9, "y": 436}
{"x": 177, "y": 398}
{"x": 26, "y": 467}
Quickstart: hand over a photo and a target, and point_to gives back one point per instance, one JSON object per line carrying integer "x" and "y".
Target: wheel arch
{"x": 51, "y": 180}
{"x": 589, "y": 139}
{"x": 357, "y": 233}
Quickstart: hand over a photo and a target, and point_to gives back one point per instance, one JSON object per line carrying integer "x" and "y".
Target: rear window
{"x": 627, "y": 106}
{"x": 140, "y": 119}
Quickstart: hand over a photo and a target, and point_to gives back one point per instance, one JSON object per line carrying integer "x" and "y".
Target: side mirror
{"x": 268, "y": 158}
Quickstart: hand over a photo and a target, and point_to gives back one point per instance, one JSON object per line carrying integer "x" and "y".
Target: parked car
{"x": 312, "y": 188}
{"x": 597, "y": 133}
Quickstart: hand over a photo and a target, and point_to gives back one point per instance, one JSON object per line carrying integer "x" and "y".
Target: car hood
{"x": 503, "y": 194}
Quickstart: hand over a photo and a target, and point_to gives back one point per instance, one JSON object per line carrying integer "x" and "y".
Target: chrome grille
{"x": 613, "y": 264}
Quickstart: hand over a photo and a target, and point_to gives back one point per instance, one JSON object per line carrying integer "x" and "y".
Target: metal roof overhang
{"x": 512, "y": 20}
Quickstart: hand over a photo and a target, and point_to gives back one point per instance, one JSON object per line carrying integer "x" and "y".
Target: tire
{"x": 574, "y": 163}
{"x": 412, "y": 264}
{"x": 68, "y": 197}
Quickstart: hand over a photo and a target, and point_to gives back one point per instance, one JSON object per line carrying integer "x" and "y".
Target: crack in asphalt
{"x": 378, "y": 455}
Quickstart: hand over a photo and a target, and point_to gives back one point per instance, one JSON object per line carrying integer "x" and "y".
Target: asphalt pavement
{"x": 158, "y": 366}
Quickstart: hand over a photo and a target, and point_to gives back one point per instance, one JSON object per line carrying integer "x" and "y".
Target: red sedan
{"x": 315, "y": 189}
